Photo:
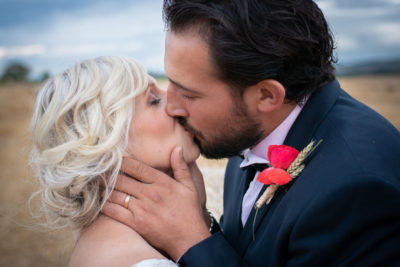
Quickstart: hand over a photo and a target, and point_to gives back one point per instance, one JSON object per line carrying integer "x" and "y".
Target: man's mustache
{"x": 182, "y": 121}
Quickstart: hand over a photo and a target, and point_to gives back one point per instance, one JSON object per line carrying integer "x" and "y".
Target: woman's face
{"x": 153, "y": 134}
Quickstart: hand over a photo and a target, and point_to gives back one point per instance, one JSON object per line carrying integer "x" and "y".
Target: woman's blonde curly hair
{"x": 80, "y": 129}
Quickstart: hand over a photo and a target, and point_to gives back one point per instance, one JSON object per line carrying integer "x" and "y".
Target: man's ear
{"x": 266, "y": 96}
{"x": 270, "y": 95}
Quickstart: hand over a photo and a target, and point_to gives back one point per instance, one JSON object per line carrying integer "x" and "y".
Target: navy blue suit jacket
{"x": 343, "y": 209}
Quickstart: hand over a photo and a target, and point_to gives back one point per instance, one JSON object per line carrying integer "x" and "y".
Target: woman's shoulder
{"x": 107, "y": 242}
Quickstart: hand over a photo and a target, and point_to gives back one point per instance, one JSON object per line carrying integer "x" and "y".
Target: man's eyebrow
{"x": 181, "y": 86}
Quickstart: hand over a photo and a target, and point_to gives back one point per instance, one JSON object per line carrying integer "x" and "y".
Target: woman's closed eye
{"x": 154, "y": 99}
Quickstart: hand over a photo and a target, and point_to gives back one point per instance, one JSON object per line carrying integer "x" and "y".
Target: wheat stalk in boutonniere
{"x": 281, "y": 158}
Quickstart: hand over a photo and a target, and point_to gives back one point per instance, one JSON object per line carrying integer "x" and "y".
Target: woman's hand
{"x": 167, "y": 212}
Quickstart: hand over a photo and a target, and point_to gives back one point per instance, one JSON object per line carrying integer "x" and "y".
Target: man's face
{"x": 202, "y": 103}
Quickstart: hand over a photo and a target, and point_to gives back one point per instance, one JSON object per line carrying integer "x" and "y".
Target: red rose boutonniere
{"x": 287, "y": 163}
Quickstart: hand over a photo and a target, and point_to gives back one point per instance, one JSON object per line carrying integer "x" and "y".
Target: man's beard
{"x": 236, "y": 133}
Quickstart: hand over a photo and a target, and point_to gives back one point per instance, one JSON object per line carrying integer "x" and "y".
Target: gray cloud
{"x": 133, "y": 28}
{"x": 364, "y": 29}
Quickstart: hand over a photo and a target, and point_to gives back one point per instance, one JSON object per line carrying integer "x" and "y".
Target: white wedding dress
{"x": 155, "y": 263}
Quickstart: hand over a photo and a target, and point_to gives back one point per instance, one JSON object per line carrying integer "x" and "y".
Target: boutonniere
{"x": 287, "y": 163}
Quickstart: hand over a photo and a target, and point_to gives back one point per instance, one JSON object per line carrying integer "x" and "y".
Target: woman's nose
{"x": 174, "y": 108}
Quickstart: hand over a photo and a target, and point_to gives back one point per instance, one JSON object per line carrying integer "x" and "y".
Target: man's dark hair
{"x": 254, "y": 40}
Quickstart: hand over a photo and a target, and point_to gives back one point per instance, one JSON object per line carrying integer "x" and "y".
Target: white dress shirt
{"x": 258, "y": 154}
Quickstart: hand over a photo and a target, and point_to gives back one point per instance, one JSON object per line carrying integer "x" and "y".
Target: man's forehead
{"x": 185, "y": 57}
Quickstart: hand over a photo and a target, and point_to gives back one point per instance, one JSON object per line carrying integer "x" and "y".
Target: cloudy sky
{"x": 50, "y": 35}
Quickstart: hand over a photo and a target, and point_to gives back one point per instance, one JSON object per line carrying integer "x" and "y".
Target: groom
{"x": 245, "y": 75}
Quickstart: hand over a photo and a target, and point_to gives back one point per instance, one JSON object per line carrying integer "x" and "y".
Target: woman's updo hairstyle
{"x": 80, "y": 129}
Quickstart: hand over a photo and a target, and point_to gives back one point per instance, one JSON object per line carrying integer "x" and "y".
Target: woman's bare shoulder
{"x": 107, "y": 242}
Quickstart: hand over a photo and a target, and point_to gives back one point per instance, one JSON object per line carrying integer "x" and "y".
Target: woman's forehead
{"x": 152, "y": 81}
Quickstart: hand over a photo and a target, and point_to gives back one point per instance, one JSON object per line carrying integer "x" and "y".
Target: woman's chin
{"x": 191, "y": 155}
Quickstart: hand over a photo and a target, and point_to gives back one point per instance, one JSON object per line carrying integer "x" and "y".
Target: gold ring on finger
{"x": 126, "y": 203}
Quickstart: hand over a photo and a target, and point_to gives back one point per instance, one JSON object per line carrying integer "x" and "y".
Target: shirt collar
{"x": 258, "y": 154}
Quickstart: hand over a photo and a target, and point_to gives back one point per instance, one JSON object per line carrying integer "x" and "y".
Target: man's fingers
{"x": 118, "y": 213}
{"x": 129, "y": 186}
{"x": 140, "y": 171}
{"x": 198, "y": 181}
{"x": 196, "y": 175}
{"x": 195, "y": 170}
{"x": 125, "y": 200}
{"x": 180, "y": 168}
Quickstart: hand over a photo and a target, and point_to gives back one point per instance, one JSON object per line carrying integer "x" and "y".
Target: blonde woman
{"x": 85, "y": 120}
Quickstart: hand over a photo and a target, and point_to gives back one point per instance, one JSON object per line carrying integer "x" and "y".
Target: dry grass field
{"x": 21, "y": 242}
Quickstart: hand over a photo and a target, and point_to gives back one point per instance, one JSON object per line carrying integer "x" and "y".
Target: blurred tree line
{"x": 18, "y": 72}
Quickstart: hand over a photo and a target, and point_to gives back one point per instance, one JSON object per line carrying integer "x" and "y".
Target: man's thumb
{"x": 180, "y": 168}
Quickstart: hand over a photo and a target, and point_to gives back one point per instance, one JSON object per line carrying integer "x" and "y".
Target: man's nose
{"x": 174, "y": 107}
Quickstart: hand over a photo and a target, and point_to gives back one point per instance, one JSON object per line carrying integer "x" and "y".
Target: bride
{"x": 85, "y": 121}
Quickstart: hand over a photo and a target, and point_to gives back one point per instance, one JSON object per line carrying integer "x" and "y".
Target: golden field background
{"x": 21, "y": 242}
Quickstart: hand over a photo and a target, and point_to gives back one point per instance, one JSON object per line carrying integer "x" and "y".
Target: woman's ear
{"x": 270, "y": 95}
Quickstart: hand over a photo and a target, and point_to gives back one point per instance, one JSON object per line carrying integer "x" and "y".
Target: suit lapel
{"x": 247, "y": 234}
{"x": 313, "y": 113}
{"x": 233, "y": 203}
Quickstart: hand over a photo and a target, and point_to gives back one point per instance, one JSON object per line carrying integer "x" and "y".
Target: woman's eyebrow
{"x": 151, "y": 82}
{"x": 153, "y": 89}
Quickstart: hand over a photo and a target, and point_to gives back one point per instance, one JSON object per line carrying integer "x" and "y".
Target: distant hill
{"x": 371, "y": 67}
{"x": 364, "y": 68}
{"x": 158, "y": 75}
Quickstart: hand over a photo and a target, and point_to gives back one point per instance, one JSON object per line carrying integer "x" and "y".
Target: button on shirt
{"x": 258, "y": 154}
